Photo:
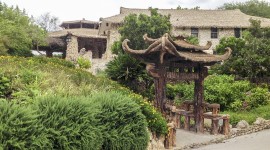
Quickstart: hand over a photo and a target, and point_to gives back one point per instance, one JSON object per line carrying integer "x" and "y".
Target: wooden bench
{"x": 211, "y": 111}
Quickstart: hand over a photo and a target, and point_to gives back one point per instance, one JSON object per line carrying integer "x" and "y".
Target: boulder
{"x": 259, "y": 121}
{"x": 242, "y": 124}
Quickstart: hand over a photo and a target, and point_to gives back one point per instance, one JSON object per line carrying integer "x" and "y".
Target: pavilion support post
{"x": 198, "y": 99}
{"x": 160, "y": 89}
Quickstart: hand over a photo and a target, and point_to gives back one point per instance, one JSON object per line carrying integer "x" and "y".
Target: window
{"x": 195, "y": 32}
{"x": 214, "y": 33}
{"x": 237, "y": 32}
{"x": 107, "y": 24}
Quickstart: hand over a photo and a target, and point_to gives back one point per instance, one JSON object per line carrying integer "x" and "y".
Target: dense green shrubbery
{"x": 156, "y": 123}
{"x": 19, "y": 128}
{"x": 69, "y": 123}
{"x": 106, "y": 120}
{"x": 5, "y": 86}
{"x": 124, "y": 124}
{"x": 30, "y": 78}
{"x": 224, "y": 90}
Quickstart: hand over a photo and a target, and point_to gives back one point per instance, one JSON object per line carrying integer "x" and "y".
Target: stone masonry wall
{"x": 113, "y": 36}
{"x": 205, "y": 35}
{"x": 72, "y": 49}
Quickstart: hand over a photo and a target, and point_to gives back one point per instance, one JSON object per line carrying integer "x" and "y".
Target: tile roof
{"x": 196, "y": 18}
{"x": 80, "y": 32}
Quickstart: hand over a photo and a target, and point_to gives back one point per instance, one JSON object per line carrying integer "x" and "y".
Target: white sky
{"x": 67, "y": 10}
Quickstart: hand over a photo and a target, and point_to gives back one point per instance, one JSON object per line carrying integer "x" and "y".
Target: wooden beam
{"x": 182, "y": 76}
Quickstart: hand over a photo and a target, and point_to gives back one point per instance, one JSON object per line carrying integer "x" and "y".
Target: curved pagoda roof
{"x": 165, "y": 50}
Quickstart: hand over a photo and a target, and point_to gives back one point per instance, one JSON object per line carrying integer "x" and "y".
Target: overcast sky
{"x": 67, "y": 10}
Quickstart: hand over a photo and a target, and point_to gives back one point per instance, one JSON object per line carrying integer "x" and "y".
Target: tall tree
{"x": 251, "y": 7}
{"x": 124, "y": 68}
{"x": 16, "y": 35}
{"x": 48, "y": 22}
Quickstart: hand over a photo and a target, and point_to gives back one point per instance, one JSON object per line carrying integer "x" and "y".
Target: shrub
{"x": 5, "y": 86}
{"x": 84, "y": 63}
{"x": 69, "y": 123}
{"x": 19, "y": 128}
{"x": 124, "y": 124}
{"x": 222, "y": 89}
{"x": 156, "y": 123}
{"x": 258, "y": 97}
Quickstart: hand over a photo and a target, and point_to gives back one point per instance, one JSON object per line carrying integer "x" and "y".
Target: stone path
{"x": 185, "y": 138}
{"x": 255, "y": 141}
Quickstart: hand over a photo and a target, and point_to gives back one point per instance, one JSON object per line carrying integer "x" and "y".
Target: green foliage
{"x": 224, "y": 90}
{"x": 125, "y": 126}
{"x": 156, "y": 123}
{"x": 5, "y": 86}
{"x": 193, "y": 40}
{"x": 258, "y": 97}
{"x": 54, "y": 60}
{"x": 69, "y": 123}
{"x": 17, "y": 32}
{"x": 250, "y": 116}
{"x": 56, "y": 77}
{"x": 251, "y": 7}
{"x": 19, "y": 128}
{"x": 84, "y": 63}
{"x": 251, "y": 56}
{"x": 127, "y": 70}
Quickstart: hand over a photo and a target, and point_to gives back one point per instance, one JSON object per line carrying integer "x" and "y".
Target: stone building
{"x": 75, "y": 36}
{"x": 207, "y": 25}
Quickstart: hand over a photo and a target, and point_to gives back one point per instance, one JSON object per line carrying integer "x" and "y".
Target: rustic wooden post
{"x": 198, "y": 99}
{"x": 226, "y": 125}
{"x": 214, "y": 126}
{"x": 160, "y": 88}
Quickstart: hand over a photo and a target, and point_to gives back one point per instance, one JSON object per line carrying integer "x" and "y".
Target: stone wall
{"x": 205, "y": 35}
{"x": 113, "y": 36}
{"x": 72, "y": 49}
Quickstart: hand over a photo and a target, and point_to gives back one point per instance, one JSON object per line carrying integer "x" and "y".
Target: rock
{"x": 259, "y": 121}
{"x": 242, "y": 124}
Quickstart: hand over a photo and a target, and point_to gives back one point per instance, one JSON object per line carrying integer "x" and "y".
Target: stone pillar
{"x": 72, "y": 49}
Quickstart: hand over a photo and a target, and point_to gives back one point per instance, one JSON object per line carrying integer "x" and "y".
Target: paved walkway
{"x": 255, "y": 141}
{"x": 184, "y": 138}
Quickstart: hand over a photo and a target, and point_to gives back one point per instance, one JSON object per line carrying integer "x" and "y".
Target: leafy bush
{"x": 224, "y": 90}
{"x": 156, "y": 123}
{"x": 19, "y": 128}
{"x": 258, "y": 97}
{"x": 84, "y": 63}
{"x": 124, "y": 125}
{"x": 129, "y": 72}
{"x": 69, "y": 123}
{"x": 5, "y": 86}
